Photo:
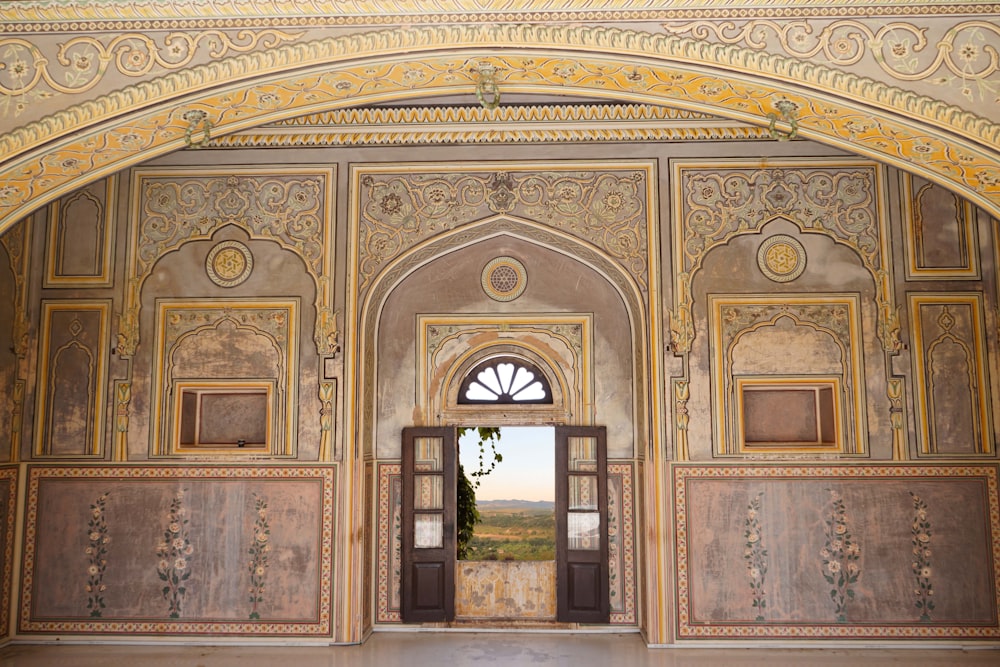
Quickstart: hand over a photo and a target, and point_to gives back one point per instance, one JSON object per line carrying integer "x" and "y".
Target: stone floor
{"x": 462, "y": 649}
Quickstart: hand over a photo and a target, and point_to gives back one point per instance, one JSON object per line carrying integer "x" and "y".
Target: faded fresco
{"x": 160, "y": 550}
{"x": 523, "y": 590}
{"x": 837, "y": 551}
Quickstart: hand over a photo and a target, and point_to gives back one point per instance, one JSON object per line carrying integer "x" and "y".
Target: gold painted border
{"x": 914, "y": 272}
{"x": 721, "y": 407}
{"x": 942, "y": 142}
{"x": 681, "y": 473}
{"x": 98, "y": 418}
{"x": 323, "y": 625}
{"x": 106, "y": 278}
{"x": 975, "y": 301}
{"x": 161, "y": 438}
{"x": 49, "y": 15}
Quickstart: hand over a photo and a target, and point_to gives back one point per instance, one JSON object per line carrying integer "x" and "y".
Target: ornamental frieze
{"x": 42, "y": 68}
{"x": 605, "y": 208}
{"x": 953, "y": 60}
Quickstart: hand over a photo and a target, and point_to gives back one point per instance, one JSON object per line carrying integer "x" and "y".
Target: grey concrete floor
{"x": 436, "y": 649}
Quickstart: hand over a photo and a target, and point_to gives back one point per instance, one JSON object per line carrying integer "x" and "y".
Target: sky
{"x": 527, "y": 471}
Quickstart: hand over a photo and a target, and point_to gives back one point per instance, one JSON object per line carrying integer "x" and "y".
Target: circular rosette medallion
{"x": 504, "y": 279}
{"x": 781, "y": 258}
{"x": 229, "y": 263}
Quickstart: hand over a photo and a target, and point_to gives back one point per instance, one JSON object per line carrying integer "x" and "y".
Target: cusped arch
{"x": 56, "y": 155}
{"x": 368, "y": 310}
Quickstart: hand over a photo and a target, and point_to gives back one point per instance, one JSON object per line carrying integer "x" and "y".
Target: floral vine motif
{"x": 755, "y": 556}
{"x": 175, "y": 552}
{"x": 259, "y": 550}
{"x": 921, "y": 541}
{"x": 83, "y": 62}
{"x": 840, "y": 557}
{"x": 97, "y": 552}
{"x": 961, "y": 57}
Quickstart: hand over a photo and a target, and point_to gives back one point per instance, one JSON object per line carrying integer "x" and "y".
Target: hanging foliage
{"x": 467, "y": 513}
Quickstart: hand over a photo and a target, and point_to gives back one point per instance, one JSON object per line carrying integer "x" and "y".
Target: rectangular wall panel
{"x": 823, "y": 552}
{"x": 952, "y": 396}
{"x": 81, "y": 237}
{"x": 71, "y": 399}
{"x": 940, "y": 232}
{"x": 134, "y": 550}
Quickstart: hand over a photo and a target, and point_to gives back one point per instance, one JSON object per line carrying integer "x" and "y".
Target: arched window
{"x": 505, "y": 380}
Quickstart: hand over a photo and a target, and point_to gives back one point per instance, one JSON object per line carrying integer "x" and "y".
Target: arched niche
{"x": 433, "y": 319}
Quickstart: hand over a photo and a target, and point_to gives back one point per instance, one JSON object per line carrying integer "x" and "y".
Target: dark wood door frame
{"x": 582, "y": 578}
{"x": 427, "y": 579}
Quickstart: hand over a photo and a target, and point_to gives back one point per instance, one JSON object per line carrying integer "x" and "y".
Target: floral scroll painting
{"x": 837, "y": 551}
{"x": 221, "y": 550}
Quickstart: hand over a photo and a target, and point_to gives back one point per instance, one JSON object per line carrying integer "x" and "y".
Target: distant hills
{"x": 510, "y": 505}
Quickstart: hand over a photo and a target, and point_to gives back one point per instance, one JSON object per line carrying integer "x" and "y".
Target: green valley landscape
{"x": 514, "y": 530}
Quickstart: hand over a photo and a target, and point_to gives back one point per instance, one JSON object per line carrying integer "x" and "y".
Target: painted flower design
{"x": 755, "y": 557}
{"x": 173, "y": 554}
{"x": 921, "y": 563}
{"x": 97, "y": 556}
{"x": 840, "y": 555}
{"x": 258, "y": 552}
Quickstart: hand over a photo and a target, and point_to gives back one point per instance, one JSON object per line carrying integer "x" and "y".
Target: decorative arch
{"x": 367, "y": 310}
{"x": 58, "y": 154}
{"x": 163, "y": 226}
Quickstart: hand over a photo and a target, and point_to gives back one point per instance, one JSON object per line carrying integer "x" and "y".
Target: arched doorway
{"x": 439, "y": 320}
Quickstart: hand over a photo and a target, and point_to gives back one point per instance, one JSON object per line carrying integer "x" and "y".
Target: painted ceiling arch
{"x": 62, "y": 152}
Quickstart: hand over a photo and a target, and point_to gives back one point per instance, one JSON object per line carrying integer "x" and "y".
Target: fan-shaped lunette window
{"x": 505, "y": 380}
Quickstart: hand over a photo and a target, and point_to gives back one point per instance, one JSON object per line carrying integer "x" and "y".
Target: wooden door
{"x": 582, "y": 589}
{"x": 428, "y": 532}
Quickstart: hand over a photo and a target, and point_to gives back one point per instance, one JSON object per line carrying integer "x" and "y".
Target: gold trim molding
{"x": 505, "y": 124}
{"x": 942, "y": 142}
{"x": 47, "y": 15}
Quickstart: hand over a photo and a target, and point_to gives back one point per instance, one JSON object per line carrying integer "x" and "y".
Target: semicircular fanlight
{"x": 505, "y": 380}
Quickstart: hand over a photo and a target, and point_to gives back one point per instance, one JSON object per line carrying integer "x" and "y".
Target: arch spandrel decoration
{"x": 67, "y": 150}
{"x": 735, "y": 197}
{"x": 605, "y": 204}
{"x": 174, "y": 207}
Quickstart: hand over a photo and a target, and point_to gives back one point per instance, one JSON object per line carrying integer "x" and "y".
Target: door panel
{"x": 428, "y": 532}
{"x": 582, "y": 588}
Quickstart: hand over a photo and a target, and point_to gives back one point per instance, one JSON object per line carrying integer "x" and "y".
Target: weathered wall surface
{"x": 169, "y": 550}
{"x": 822, "y": 551}
{"x": 803, "y": 270}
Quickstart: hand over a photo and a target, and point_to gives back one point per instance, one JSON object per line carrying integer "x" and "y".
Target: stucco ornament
{"x": 229, "y": 264}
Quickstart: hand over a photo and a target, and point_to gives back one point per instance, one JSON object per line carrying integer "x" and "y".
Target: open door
{"x": 428, "y": 532}
{"x": 582, "y": 589}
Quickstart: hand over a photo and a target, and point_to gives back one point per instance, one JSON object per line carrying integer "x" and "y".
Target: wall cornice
{"x": 112, "y": 15}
